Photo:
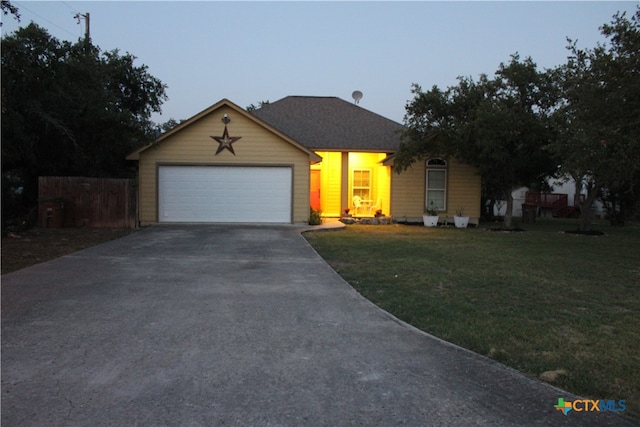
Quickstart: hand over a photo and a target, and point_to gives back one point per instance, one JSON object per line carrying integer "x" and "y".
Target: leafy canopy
{"x": 496, "y": 124}
{"x": 70, "y": 109}
{"x": 598, "y": 118}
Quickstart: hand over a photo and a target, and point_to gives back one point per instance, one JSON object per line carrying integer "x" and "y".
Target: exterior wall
{"x": 464, "y": 190}
{"x": 330, "y": 176}
{"x": 331, "y": 169}
{"x": 408, "y": 193}
{"x": 568, "y": 186}
{"x": 519, "y": 196}
{"x": 194, "y": 145}
{"x": 563, "y": 186}
{"x": 380, "y": 184}
{"x": 384, "y": 187}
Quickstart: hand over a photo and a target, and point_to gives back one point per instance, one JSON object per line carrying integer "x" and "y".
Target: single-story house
{"x": 226, "y": 164}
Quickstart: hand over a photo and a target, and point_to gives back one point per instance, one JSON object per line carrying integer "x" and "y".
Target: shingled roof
{"x": 330, "y": 123}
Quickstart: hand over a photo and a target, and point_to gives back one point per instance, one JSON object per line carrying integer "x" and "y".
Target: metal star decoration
{"x": 225, "y": 141}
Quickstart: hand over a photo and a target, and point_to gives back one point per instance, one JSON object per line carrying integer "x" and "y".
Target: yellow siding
{"x": 463, "y": 190}
{"x": 194, "y": 145}
{"x": 331, "y": 178}
{"x": 384, "y": 186}
{"x": 380, "y": 184}
{"x": 408, "y": 192}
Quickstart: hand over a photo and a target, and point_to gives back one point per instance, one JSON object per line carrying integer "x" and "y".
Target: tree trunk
{"x": 586, "y": 215}
{"x": 508, "y": 215}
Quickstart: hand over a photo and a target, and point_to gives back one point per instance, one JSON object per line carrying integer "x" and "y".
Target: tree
{"x": 597, "y": 121}
{"x": 69, "y": 109}
{"x": 168, "y": 125}
{"x": 251, "y": 108}
{"x": 8, "y": 8}
{"x": 498, "y": 125}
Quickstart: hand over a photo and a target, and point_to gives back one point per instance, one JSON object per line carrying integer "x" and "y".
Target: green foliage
{"x": 498, "y": 125}
{"x": 251, "y": 108}
{"x": 431, "y": 210}
{"x": 598, "y": 121}
{"x": 7, "y": 8}
{"x": 517, "y": 126}
{"x": 69, "y": 109}
{"x": 169, "y": 124}
{"x": 315, "y": 217}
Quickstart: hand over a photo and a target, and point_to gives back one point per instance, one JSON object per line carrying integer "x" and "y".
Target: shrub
{"x": 315, "y": 217}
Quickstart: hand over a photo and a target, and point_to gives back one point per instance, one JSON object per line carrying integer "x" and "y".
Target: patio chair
{"x": 357, "y": 203}
{"x": 376, "y": 206}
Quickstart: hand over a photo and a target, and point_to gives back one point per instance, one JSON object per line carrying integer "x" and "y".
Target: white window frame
{"x": 436, "y": 164}
{"x": 354, "y": 187}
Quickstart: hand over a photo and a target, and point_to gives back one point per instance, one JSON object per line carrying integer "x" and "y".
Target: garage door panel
{"x": 224, "y": 194}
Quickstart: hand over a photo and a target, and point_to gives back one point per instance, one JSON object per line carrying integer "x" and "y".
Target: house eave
{"x": 352, "y": 150}
{"x": 313, "y": 157}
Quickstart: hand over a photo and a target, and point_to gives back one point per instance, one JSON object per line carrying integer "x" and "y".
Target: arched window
{"x": 437, "y": 162}
{"x": 436, "y": 185}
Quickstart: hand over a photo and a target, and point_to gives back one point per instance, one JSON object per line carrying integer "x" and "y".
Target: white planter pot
{"x": 461, "y": 221}
{"x": 430, "y": 221}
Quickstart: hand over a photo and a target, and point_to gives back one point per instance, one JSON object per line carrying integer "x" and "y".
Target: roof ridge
{"x": 310, "y": 96}
{"x": 352, "y": 104}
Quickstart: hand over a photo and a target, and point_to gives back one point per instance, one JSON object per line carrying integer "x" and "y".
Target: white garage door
{"x": 224, "y": 194}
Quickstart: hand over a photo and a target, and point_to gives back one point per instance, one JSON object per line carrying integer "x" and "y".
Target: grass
{"x": 561, "y": 307}
{"x": 24, "y": 249}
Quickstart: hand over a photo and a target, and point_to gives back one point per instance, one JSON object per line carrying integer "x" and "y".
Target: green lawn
{"x": 538, "y": 301}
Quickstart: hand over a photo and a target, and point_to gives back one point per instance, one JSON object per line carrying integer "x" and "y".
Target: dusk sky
{"x": 255, "y": 51}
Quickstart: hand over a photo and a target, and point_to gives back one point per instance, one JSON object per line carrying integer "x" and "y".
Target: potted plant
{"x": 315, "y": 217}
{"x": 431, "y": 218}
{"x": 459, "y": 219}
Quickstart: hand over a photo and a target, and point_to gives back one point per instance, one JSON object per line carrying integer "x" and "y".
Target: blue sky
{"x": 254, "y": 51}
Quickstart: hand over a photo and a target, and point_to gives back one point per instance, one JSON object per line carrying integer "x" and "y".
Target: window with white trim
{"x": 436, "y": 185}
{"x": 361, "y": 183}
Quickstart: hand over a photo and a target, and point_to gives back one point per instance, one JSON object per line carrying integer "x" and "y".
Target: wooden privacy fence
{"x": 95, "y": 202}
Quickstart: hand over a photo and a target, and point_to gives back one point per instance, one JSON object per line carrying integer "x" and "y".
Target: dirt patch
{"x": 552, "y": 376}
{"x": 23, "y": 249}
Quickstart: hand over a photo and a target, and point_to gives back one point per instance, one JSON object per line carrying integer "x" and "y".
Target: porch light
{"x": 226, "y": 119}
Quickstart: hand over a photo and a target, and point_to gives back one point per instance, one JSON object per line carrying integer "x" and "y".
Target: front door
{"x": 314, "y": 193}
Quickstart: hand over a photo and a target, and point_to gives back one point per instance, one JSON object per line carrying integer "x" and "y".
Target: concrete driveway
{"x": 242, "y": 326}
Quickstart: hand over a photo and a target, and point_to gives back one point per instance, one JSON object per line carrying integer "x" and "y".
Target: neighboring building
{"x": 566, "y": 186}
{"x": 271, "y": 165}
